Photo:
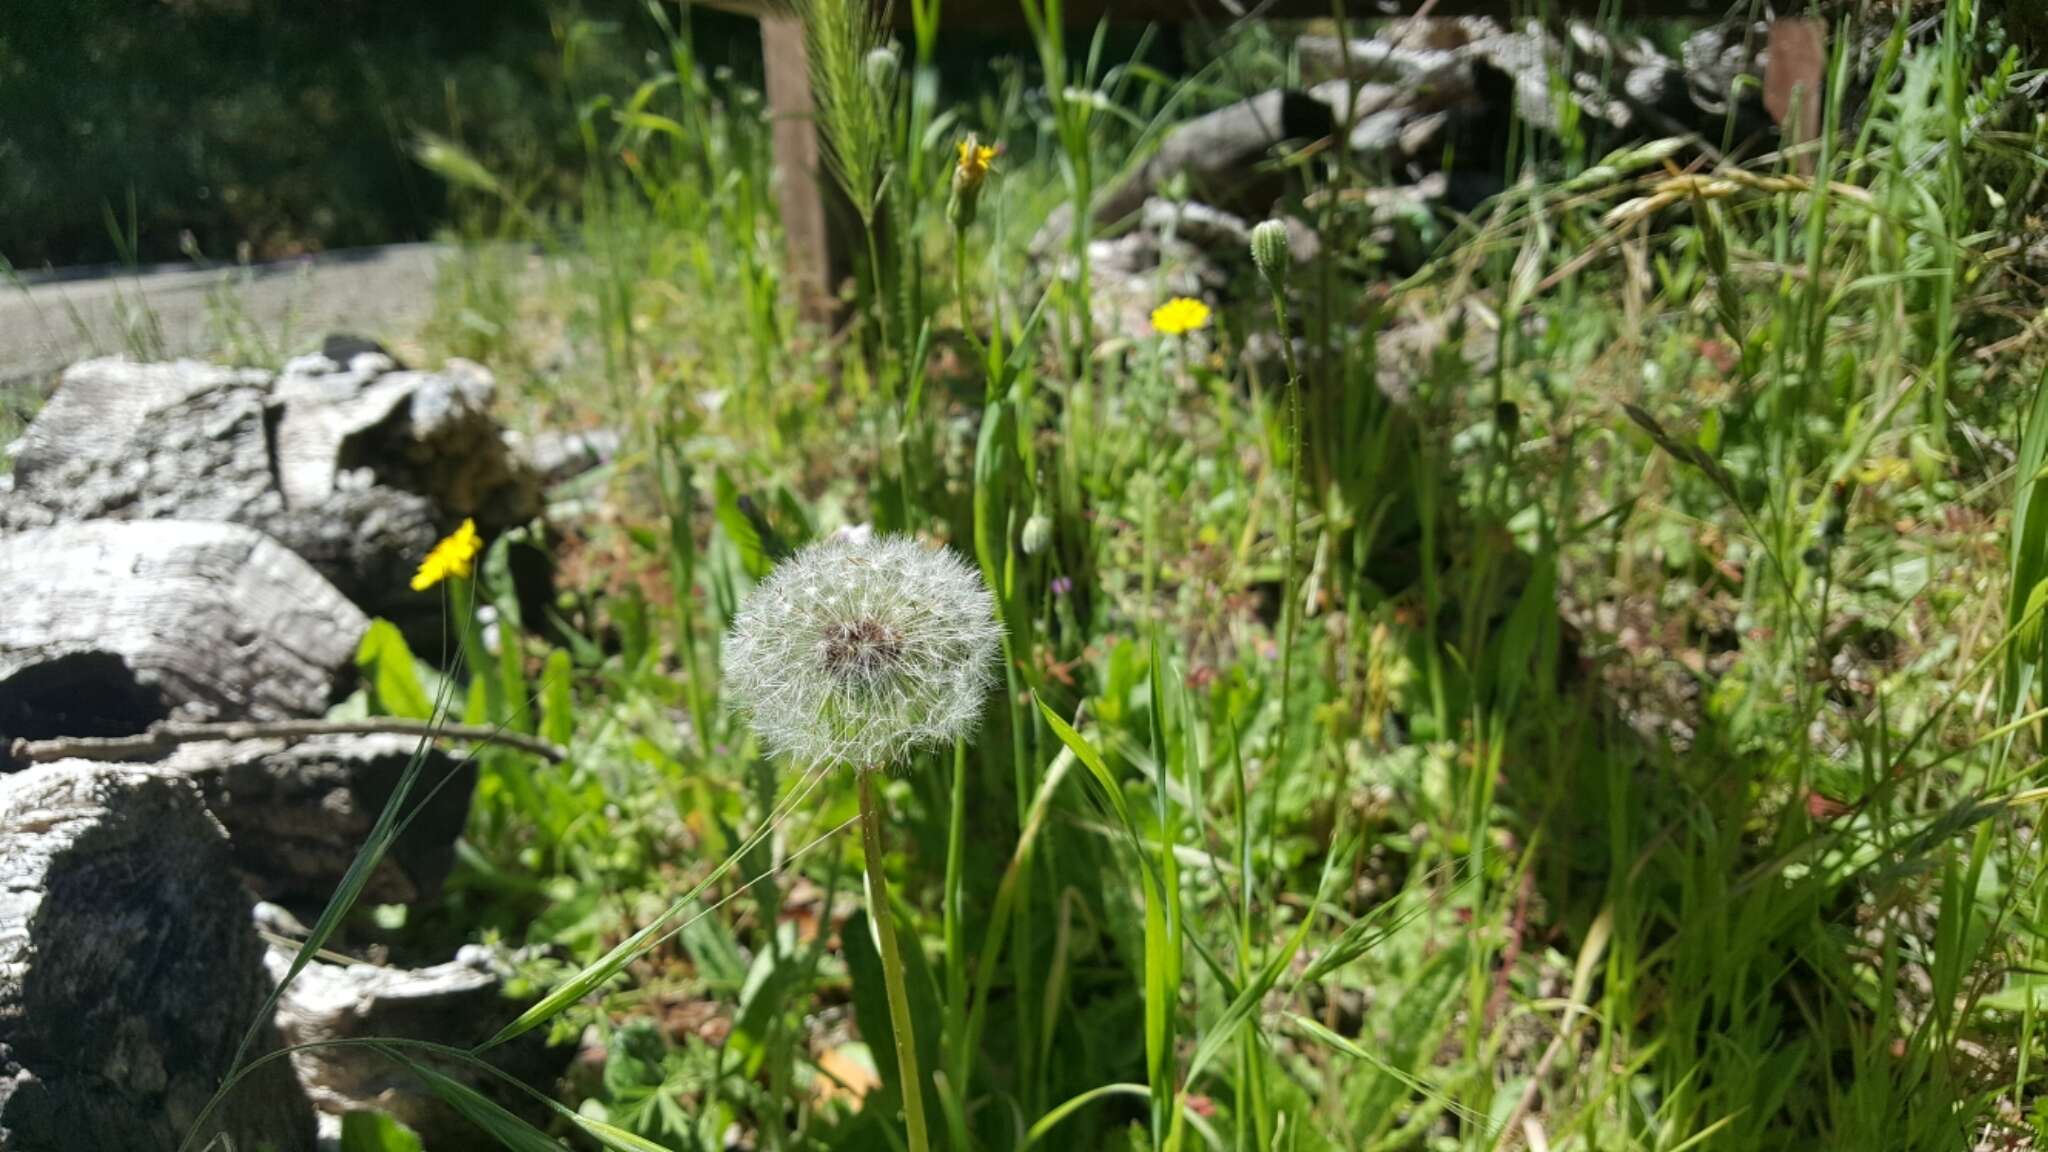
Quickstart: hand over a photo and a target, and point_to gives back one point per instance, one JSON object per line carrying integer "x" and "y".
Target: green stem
{"x": 956, "y": 947}
{"x": 892, "y": 965}
{"x": 1291, "y": 545}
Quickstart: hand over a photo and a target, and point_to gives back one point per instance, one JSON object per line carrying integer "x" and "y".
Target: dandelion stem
{"x": 892, "y": 965}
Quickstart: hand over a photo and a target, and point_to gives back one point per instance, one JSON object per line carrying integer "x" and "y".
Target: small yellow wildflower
{"x": 975, "y": 160}
{"x": 455, "y": 555}
{"x": 1179, "y": 316}
{"x": 968, "y": 177}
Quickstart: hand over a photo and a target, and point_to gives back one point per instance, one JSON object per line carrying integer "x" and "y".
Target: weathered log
{"x": 111, "y": 626}
{"x": 128, "y": 970}
{"x": 297, "y": 814}
{"x": 1220, "y": 157}
{"x": 356, "y": 467}
{"x": 1480, "y": 67}
{"x": 460, "y": 1004}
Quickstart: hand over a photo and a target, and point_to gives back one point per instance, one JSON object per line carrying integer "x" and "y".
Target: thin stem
{"x": 159, "y": 738}
{"x": 956, "y": 947}
{"x": 1291, "y": 544}
{"x": 892, "y": 965}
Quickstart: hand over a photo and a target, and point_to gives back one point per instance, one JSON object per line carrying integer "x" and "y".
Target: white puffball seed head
{"x": 860, "y": 652}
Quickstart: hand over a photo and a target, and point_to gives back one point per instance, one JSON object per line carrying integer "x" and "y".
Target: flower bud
{"x": 1269, "y": 252}
{"x": 882, "y": 67}
{"x": 970, "y": 172}
{"x": 1037, "y": 533}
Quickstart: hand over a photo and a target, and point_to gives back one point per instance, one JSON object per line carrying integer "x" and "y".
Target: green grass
{"x": 1627, "y": 740}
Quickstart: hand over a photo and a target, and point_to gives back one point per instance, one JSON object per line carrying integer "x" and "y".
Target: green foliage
{"x": 1610, "y": 718}
{"x": 376, "y": 1132}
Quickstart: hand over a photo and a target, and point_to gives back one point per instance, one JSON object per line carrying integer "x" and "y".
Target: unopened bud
{"x": 882, "y": 67}
{"x": 1269, "y": 252}
{"x": 1037, "y": 533}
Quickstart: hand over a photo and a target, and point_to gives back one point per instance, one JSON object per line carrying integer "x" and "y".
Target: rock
{"x": 358, "y": 466}
{"x": 128, "y": 971}
{"x": 559, "y": 456}
{"x": 297, "y": 814}
{"x": 1134, "y": 273}
{"x": 460, "y": 1003}
{"x": 112, "y": 626}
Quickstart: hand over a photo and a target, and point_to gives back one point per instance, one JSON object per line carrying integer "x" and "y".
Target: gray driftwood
{"x": 357, "y": 467}
{"x": 112, "y": 625}
{"x": 460, "y": 1003}
{"x": 128, "y": 970}
{"x": 297, "y": 814}
{"x": 1220, "y": 159}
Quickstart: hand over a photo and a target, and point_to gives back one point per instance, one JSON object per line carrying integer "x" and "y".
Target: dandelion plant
{"x": 859, "y": 652}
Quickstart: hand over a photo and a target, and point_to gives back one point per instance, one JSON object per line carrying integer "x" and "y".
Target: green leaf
{"x": 2027, "y": 634}
{"x": 455, "y": 164}
{"x": 738, "y": 528}
{"x": 487, "y": 1114}
{"x": 1329, "y": 1039}
{"x": 376, "y": 1132}
{"x": 1533, "y": 613}
{"x": 390, "y": 673}
{"x": 1050, "y": 1120}
{"x": 1092, "y": 759}
{"x": 500, "y": 1123}
{"x": 557, "y": 703}
{"x": 599, "y": 972}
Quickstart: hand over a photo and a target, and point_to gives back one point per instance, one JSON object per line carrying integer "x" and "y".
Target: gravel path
{"x": 49, "y": 320}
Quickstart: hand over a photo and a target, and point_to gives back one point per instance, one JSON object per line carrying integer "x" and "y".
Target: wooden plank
{"x": 816, "y": 260}
{"x": 1794, "y": 77}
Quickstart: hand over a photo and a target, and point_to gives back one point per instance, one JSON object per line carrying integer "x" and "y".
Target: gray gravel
{"x": 49, "y": 320}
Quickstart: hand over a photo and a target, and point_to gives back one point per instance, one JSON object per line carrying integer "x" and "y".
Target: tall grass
{"x": 1627, "y": 738}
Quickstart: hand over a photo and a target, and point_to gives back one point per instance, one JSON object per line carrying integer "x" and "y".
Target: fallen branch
{"x": 160, "y": 738}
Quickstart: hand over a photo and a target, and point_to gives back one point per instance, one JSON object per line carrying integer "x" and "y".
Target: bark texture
{"x": 358, "y": 467}
{"x": 460, "y": 1003}
{"x": 297, "y": 814}
{"x": 110, "y": 626}
{"x": 128, "y": 970}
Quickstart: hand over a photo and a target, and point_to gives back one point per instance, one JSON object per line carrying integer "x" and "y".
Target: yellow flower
{"x": 975, "y": 159}
{"x": 1180, "y": 316}
{"x": 455, "y": 555}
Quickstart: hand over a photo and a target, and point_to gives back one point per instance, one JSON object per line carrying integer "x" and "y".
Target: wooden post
{"x": 1794, "y": 79}
{"x": 816, "y": 256}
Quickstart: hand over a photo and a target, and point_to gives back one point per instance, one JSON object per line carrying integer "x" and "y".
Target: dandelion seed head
{"x": 861, "y": 650}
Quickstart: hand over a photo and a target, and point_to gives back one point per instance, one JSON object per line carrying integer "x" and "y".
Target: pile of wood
{"x": 1402, "y": 103}
{"x": 188, "y": 550}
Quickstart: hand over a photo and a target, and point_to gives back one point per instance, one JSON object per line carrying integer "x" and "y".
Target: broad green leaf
{"x": 557, "y": 703}
{"x": 375, "y": 1132}
{"x": 390, "y": 673}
